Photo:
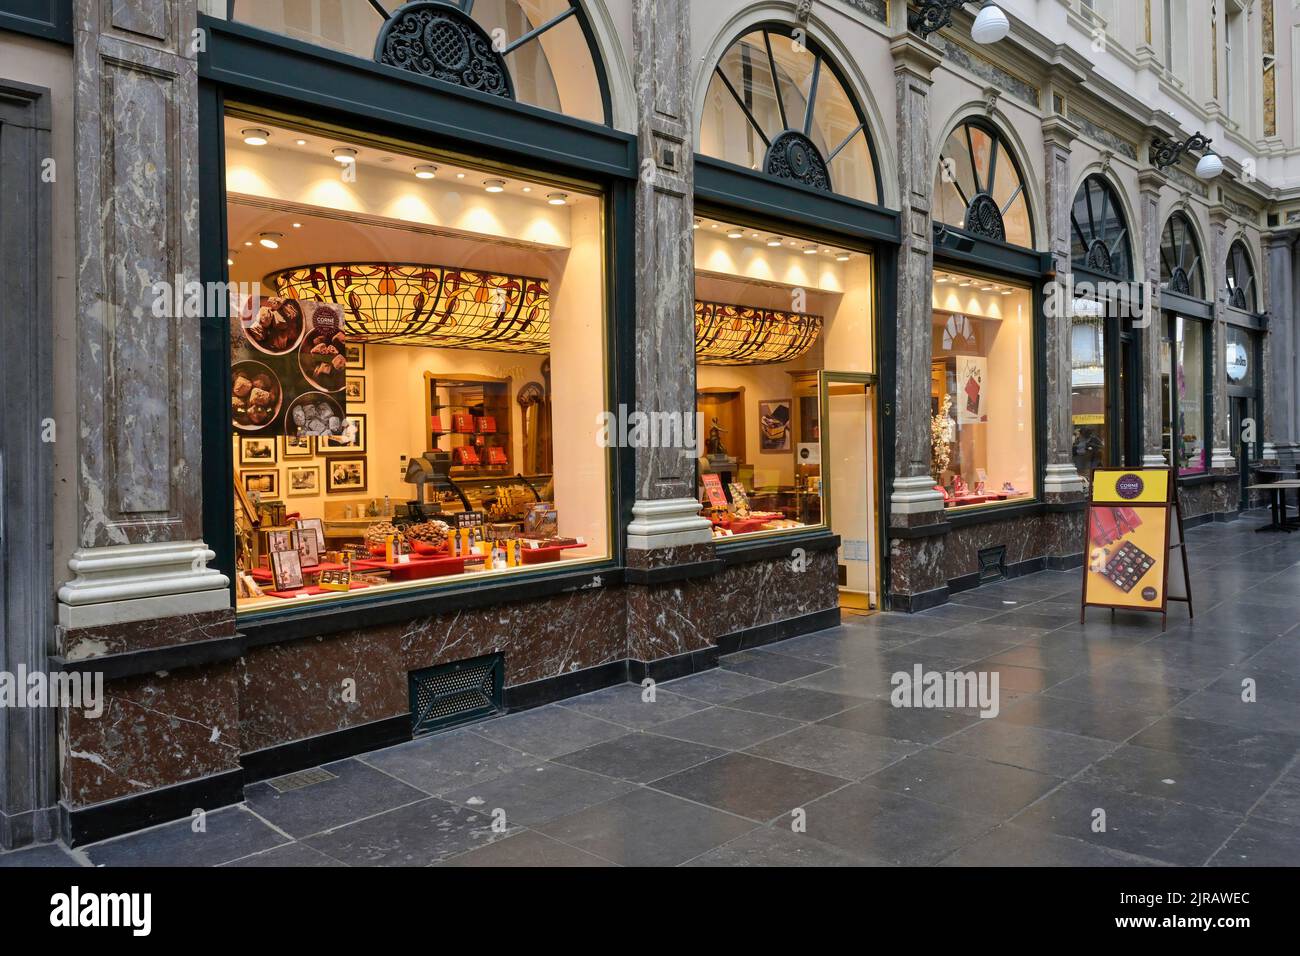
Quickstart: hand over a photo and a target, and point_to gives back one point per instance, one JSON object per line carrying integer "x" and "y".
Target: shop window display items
{"x": 409, "y": 359}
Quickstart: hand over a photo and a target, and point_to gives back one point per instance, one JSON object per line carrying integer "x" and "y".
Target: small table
{"x": 1277, "y": 495}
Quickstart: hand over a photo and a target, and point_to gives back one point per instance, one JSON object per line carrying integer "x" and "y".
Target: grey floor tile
{"x": 1205, "y": 738}
{"x": 357, "y": 790}
{"x": 1267, "y": 715}
{"x": 768, "y": 665}
{"x": 1261, "y": 843}
{"x": 876, "y": 824}
{"x": 1103, "y": 719}
{"x": 856, "y": 680}
{"x": 1113, "y": 685}
{"x": 1011, "y": 845}
{"x": 627, "y": 704}
{"x": 971, "y": 784}
{"x": 48, "y": 854}
{"x": 972, "y": 645}
{"x": 548, "y": 731}
{"x": 726, "y": 728}
{"x": 416, "y": 835}
{"x": 882, "y": 719}
{"x": 640, "y": 757}
{"x": 1134, "y": 823}
{"x": 1060, "y": 656}
{"x": 228, "y": 835}
{"x": 647, "y": 828}
{"x": 289, "y": 854}
{"x": 1266, "y": 684}
{"x": 442, "y": 762}
{"x": 716, "y": 686}
{"x": 527, "y": 848}
{"x": 536, "y": 794}
{"x": 1047, "y": 751}
{"x": 749, "y": 786}
{"x": 834, "y": 751}
{"x": 796, "y": 703}
{"x": 1181, "y": 777}
{"x": 774, "y": 846}
{"x": 1282, "y": 801}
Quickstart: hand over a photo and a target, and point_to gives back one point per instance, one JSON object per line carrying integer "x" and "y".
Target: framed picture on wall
{"x": 298, "y": 446}
{"x": 351, "y": 441}
{"x": 257, "y": 451}
{"x": 774, "y": 425}
{"x": 302, "y": 481}
{"x": 355, "y": 353}
{"x": 345, "y": 476}
{"x": 354, "y": 389}
{"x": 263, "y": 483}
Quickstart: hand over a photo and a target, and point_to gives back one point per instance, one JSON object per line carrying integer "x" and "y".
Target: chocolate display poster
{"x": 972, "y": 384}
{"x": 289, "y": 368}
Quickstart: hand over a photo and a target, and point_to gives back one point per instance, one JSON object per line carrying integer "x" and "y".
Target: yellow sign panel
{"x": 1138, "y": 486}
{"x": 1126, "y": 555}
{"x": 1089, "y": 418}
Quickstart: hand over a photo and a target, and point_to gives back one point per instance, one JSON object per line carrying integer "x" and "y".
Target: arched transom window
{"x": 1241, "y": 278}
{"x": 1099, "y": 236}
{"x": 1180, "y": 258}
{"x": 779, "y": 106}
{"x": 979, "y": 186}
{"x": 537, "y": 52}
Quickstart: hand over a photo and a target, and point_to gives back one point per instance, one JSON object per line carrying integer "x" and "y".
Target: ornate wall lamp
{"x": 1165, "y": 153}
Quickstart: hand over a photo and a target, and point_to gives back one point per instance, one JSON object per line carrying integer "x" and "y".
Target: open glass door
{"x": 849, "y": 448}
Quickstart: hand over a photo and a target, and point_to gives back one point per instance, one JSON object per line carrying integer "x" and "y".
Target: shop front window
{"x": 774, "y": 315}
{"x": 415, "y": 387}
{"x": 1183, "y": 360}
{"x": 775, "y": 104}
{"x": 1088, "y": 405}
{"x": 981, "y": 390}
{"x": 531, "y": 51}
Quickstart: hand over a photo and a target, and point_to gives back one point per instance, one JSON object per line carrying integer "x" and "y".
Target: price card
{"x": 713, "y": 488}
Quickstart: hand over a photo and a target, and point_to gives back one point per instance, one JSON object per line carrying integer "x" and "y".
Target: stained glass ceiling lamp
{"x": 428, "y": 305}
{"x": 744, "y": 335}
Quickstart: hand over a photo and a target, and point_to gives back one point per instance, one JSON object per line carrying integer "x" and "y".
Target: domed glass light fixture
{"x": 990, "y": 26}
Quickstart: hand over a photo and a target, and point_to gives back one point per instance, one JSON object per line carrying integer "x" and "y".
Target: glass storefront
{"x": 773, "y": 312}
{"x": 416, "y": 391}
{"x": 981, "y": 390}
{"x": 1185, "y": 403}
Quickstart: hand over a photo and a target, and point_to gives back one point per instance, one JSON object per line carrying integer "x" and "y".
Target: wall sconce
{"x": 1165, "y": 153}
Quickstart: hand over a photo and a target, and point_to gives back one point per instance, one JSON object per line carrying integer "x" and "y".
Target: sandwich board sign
{"x": 1132, "y": 526}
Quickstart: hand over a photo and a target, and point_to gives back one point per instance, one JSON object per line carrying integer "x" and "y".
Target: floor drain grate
{"x": 303, "y": 778}
{"x": 452, "y": 694}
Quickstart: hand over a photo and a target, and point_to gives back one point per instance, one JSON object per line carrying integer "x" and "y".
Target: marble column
{"x": 140, "y": 553}
{"x": 666, "y": 512}
{"x": 1281, "y": 382}
{"x": 1219, "y": 439}
{"x": 1061, "y": 478}
{"x": 1149, "y": 184}
{"x": 914, "y": 499}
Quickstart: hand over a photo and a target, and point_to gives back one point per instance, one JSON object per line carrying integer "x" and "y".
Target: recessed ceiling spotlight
{"x": 344, "y": 154}
{"x": 528, "y": 189}
{"x": 255, "y": 136}
{"x": 557, "y": 199}
{"x": 460, "y": 175}
{"x": 297, "y": 225}
{"x": 697, "y": 224}
{"x": 494, "y": 185}
{"x": 965, "y": 283}
{"x": 753, "y": 235}
{"x": 1007, "y": 291}
{"x": 843, "y": 257}
{"x": 248, "y": 243}
{"x": 941, "y": 279}
{"x": 735, "y": 232}
{"x": 774, "y": 241}
{"x": 810, "y": 251}
{"x": 271, "y": 240}
{"x": 425, "y": 171}
{"x": 300, "y": 142}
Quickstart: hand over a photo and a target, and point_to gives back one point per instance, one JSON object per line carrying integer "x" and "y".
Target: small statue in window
{"x": 713, "y": 445}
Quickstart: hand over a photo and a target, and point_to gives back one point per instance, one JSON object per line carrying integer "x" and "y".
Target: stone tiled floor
{"x": 1110, "y": 715}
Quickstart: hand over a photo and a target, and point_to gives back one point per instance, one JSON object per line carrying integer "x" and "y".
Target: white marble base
{"x": 1154, "y": 461}
{"x": 670, "y": 523}
{"x": 1222, "y": 458}
{"x": 136, "y": 582}
{"x": 1062, "y": 479}
{"x": 916, "y": 495}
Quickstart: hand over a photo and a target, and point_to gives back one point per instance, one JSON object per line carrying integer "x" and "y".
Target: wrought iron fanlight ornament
{"x": 744, "y": 335}
{"x": 428, "y": 305}
{"x": 438, "y": 40}
{"x": 980, "y": 187}
{"x": 1180, "y": 258}
{"x": 1240, "y": 278}
{"x": 793, "y": 155}
{"x": 1099, "y": 232}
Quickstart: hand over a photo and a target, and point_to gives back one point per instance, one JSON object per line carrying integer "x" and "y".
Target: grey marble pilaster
{"x": 1281, "y": 382}
{"x": 139, "y": 468}
{"x": 665, "y": 512}
{"x": 1221, "y": 452}
{"x": 1058, "y": 134}
{"x": 914, "y": 64}
{"x": 1150, "y": 223}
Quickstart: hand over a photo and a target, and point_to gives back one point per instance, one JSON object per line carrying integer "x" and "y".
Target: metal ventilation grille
{"x": 452, "y": 694}
{"x": 993, "y": 563}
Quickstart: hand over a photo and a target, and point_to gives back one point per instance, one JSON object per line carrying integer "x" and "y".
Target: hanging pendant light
{"x": 991, "y": 24}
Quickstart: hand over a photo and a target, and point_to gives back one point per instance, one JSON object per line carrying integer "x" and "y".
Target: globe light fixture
{"x": 990, "y": 26}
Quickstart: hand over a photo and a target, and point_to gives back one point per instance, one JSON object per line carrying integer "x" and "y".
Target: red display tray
{"x": 543, "y": 555}
{"x": 416, "y": 568}
{"x": 300, "y": 592}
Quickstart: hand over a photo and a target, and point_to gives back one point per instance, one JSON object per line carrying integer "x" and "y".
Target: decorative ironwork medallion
{"x": 1099, "y": 258}
{"x": 432, "y": 39}
{"x": 1179, "y": 281}
{"x": 983, "y": 218}
{"x": 793, "y": 155}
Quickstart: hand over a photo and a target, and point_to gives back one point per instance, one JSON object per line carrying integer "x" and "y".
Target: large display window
{"x": 981, "y": 390}
{"x": 1185, "y": 404}
{"x": 774, "y": 313}
{"x": 416, "y": 386}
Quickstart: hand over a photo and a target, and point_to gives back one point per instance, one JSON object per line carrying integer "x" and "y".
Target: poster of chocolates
{"x": 289, "y": 368}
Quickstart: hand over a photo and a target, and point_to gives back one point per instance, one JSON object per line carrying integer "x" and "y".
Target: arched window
{"x": 780, "y": 106}
{"x": 1180, "y": 258}
{"x": 979, "y": 186}
{"x": 1099, "y": 237}
{"x": 538, "y": 52}
{"x": 1241, "y": 278}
